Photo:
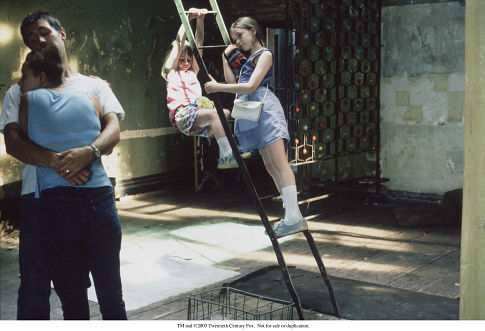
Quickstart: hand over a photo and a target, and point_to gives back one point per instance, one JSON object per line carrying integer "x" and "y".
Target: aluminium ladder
{"x": 242, "y": 166}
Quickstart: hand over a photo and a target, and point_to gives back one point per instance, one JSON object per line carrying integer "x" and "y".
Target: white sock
{"x": 224, "y": 147}
{"x": 290, "y": 201}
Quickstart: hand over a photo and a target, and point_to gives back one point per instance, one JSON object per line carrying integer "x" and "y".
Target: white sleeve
{"x": 10, "y": 107}
{"x": 108, "y": 100}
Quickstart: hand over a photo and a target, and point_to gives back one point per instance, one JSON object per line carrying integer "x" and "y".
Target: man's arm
{"x": 22, "y": 148}
{"x": 110, "y": 134}
{"x": 19, "y": 145}
{"x": 76, "y": 159}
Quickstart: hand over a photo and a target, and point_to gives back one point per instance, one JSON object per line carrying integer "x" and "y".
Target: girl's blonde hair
{"x": 249, "y": 23}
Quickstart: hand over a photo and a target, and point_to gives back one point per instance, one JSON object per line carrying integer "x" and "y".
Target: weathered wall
{"x": 124, "y": 43}
{"x": 472, "y": 259}
{"x": 422, "y": 96}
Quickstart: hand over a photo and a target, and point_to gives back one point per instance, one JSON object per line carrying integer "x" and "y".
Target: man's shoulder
{"x": 79, "y": 76}
{"x": 10, "y": 107}
{"x": 14, "y": 91}
{"x": 12, "y": 96}
{"x": 78, "y": 80}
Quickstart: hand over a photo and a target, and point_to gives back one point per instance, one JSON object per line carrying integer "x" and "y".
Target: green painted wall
{"x": 124, "y": 43}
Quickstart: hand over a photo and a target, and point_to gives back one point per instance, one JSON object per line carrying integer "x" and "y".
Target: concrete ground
{"x": 177, "y": 242}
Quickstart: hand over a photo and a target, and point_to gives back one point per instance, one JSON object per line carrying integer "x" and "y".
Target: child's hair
{"x": 47, "y": 60}
{"x": 187, "y": 50}
{"x": 249, "y": 23}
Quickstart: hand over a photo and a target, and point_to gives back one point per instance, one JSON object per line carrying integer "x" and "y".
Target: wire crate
{"x": 228, "y": 303}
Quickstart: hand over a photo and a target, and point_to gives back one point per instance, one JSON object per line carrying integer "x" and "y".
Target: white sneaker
{"x": 281, "y": 229}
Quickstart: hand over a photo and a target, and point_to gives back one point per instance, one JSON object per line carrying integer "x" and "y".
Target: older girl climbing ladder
{"x": 270, "y": 134}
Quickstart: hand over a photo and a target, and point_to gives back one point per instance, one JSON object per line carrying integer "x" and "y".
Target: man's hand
{"x": 73, "y": 161}
{"x": 19, "y": 146}
{"x": 80, "y": 178}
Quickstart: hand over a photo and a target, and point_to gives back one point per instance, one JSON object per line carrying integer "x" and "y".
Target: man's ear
{"x": 63, "y": 34}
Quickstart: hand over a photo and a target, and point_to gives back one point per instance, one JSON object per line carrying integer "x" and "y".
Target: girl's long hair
{"x": 249, "y": 23}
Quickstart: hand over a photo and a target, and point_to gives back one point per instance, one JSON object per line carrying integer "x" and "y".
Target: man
{"x": 40, "y": 29}
{"x": 80, "y": 228}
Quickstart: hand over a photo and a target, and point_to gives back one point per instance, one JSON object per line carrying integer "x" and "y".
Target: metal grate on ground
{"x": 228, "y": 303}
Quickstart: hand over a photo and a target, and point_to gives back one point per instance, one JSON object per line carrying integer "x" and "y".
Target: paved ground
{"x": 186, "y": 242}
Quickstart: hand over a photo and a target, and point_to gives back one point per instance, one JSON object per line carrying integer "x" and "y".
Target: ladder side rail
{"x": 220, "y": 22}
{"x": 323, "y": 272}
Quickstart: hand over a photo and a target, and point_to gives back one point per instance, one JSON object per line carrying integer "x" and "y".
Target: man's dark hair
{"x": 47, "y": 60}
{"x": 39, "y": 15}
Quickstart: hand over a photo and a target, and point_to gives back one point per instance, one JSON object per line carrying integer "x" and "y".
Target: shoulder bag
{"x": 248, "y": 110}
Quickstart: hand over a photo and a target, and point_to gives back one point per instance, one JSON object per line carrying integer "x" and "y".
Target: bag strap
{"x": 238, "y": 79}
{"x": 267, "y": 87}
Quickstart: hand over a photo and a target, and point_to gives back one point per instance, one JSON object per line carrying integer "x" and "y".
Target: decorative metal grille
{"x": 336, "y": 45}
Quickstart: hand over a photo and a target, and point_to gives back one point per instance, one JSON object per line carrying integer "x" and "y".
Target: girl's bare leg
{"x": 209, "y": 117}
{"x": 276, "y": 162}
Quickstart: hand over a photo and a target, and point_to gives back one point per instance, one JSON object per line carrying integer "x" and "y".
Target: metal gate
{"x": 334, "y": 106}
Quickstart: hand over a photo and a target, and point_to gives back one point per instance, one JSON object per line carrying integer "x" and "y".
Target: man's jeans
{"x": 81, "y": 231}
{"x": 35, "y": 284}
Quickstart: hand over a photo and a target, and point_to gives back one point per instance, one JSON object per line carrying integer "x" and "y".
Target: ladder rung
{"x": 325, "y": 196}
{"x": 208, "y": 12}
{"x": 212, "y": 46}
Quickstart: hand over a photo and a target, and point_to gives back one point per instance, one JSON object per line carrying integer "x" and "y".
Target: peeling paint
{"x": 420, "y": 147}
{"x": 83, "y": 43}
{"x": 95, "y": 40}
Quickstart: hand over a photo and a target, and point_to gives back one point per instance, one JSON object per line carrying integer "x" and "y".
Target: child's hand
{"x": 202, "y": 12}
{"x": 192, "y": 14}
{"x": 211, "y": 86}
{"x": 197, "y": 13}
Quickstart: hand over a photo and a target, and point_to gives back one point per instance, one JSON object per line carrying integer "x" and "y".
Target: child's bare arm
{"x": 177, "y": 47}
{"x": 229, "y": 76}
{"x": 199, "y": 41}
{"x": 199, "y": 30}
